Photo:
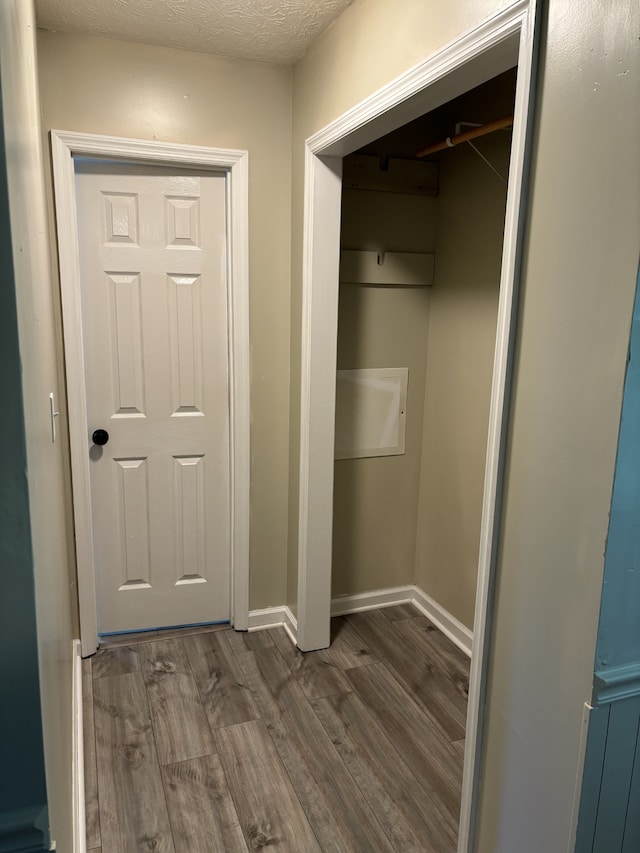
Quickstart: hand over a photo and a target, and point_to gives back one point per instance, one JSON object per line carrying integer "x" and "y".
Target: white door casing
{"x": 231, "y": 167}
{"x": 505, "y": 40}
{"x": 154, "y": 298}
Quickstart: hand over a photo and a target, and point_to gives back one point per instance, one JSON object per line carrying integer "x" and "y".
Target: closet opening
{"x": 421, "y": 241}
{"x": 504, "y": 43}
{"x": 420, "y": 257}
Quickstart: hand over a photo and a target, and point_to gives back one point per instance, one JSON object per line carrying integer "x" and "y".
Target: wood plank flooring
{"x": 210, "y": 740}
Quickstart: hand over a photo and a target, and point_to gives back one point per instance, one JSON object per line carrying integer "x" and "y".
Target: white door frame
{"x": 65, "y": 147}
{"x": 501, "y": 42}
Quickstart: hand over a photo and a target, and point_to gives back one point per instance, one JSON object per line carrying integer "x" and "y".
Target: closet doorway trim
{"x": 503, "y": 41}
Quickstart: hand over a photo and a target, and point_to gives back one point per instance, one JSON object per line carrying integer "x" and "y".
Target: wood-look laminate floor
{"x": 211, "y": 740}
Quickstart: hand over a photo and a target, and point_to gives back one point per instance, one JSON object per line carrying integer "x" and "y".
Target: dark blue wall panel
{"x": 631, "y": 842}
{"x": 617, "y": 770}
{"x": 23, "y": 797}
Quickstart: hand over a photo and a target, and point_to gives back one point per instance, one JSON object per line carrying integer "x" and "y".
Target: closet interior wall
{"x": 376, "y": 498}
{"x": 416, "y": 518}
{"x": 460, "y": 352}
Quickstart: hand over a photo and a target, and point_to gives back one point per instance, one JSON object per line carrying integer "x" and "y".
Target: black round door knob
{"x": 100, "y": 436}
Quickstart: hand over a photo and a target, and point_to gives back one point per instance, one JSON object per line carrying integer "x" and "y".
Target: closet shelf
{"x": 401, "y": 269}
{"x": 390, "y": 175}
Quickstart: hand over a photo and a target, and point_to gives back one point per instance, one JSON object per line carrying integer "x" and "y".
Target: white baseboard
{"x": 270, "y": 617}
{"x": 291, "y": 626}
{"x": 442, "y": 619}
{"x": 373, "y": 600}
{"x": 77, "y": 746}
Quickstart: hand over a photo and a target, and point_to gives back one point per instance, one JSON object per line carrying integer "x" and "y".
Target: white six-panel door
{"x": 154, "y": 301}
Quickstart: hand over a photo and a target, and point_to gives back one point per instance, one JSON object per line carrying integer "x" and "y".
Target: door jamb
{"x": 421, "y": 89}
{"x": 65, "y": 147}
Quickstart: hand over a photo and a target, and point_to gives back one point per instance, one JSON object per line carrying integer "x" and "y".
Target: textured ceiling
{"x": 267, "y": 30}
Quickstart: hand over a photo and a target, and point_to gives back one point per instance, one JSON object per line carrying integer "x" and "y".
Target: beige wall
{"x": 53, "y": 570}
{"x": 581, "y": 255}
{"x": 376, "y": 499}
{"x": 580, "y": 267}
{"x": 124, "y": 89}
{"x": 462, "y": 334}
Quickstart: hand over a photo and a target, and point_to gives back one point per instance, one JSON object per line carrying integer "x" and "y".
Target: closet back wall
{"x": 376, "y": 499}
{"x": 462, "y": 333}
{"x": 125, "y": 89}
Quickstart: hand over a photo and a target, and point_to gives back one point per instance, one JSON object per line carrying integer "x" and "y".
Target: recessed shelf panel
{"x": 403, "y": 269}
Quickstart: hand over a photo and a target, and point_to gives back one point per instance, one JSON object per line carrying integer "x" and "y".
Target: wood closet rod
{"x": 467, "y": 136}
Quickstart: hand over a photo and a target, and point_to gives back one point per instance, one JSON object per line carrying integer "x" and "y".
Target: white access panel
{"x": 371, "y": 412}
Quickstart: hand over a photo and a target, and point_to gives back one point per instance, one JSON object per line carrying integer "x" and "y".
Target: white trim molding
{"x": 448, "y": 624}
{"x": 342, "y": 605}
{"x": 272, "y": 617}
{"x": 435, "y": 613}
{"x": 321, "y": 262}
{"x": 406, "y": 97}
{"x": 65, "y": 147}
{"x": 77, "y": 745}
{"x": 501, "y": 42}
{"x": 373, "y": 599}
